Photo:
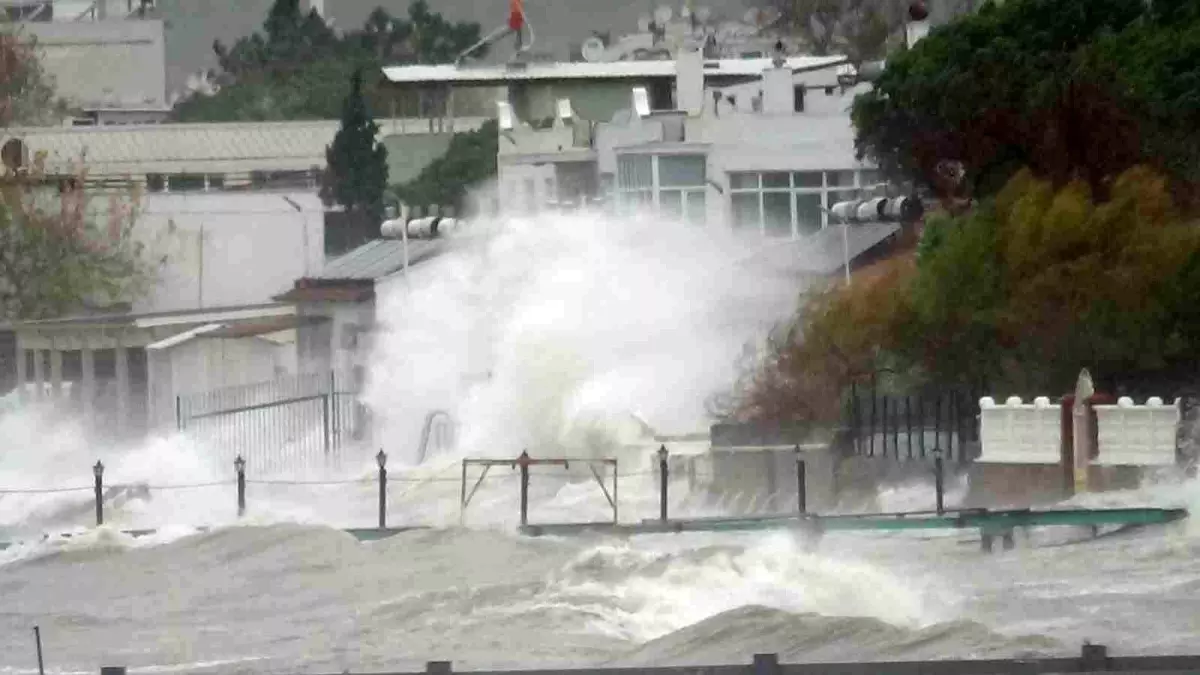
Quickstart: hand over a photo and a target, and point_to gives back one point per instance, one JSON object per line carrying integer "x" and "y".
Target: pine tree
{"x": 356, "y": 169}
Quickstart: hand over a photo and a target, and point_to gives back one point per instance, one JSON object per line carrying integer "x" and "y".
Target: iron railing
{"x": 292, "y": 422}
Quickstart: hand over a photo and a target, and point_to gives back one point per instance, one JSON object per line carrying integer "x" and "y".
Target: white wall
{"x": 230, "y": 248}
{"x": 204, "y": 364}
{"x": 342, "y": 343}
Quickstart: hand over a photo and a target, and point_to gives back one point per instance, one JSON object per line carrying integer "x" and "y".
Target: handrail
{"x": 427, "y": 430}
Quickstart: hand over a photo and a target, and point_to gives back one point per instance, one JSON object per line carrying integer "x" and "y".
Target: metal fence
{"x": 292, "y": 422}
{"x": 912, "y": 427}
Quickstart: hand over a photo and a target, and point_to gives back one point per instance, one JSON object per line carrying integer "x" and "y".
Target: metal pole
{"x": 462, "y": 500}
{"x": 938, "y": 480}
{"x": 523, "y": 461}
{"x": 663, "y": 475}
{"x": 239, "y": 465}
{"x": 37, "y": 637}
{"x": 801, "y": 482}
{"x": 179, "y": 413}
{"x": 381, "y": 458}
{"x": 846, "y": 249}
{"x": 325, "y": 423}
{"x": 98, "y": 473}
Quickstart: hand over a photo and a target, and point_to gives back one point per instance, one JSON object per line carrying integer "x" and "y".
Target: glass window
{"x": 186, "y": 182}
{"x": 808, "y": 213}
{"x": 681, "y": 170}
{"x": 670, "y": 204}
{"x": 776, "y": 179}
{"x": 777, "y": 213}
{"x": 807, "y": 179}
{"x": 697, "y": 213}
{"x": 745, "y": 210}
{"x": 634, "y": 172}
{"x": 743, "y": 181}
{"x": 839, "y": 178}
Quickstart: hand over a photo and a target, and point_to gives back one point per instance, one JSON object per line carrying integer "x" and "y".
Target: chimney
{"x": 689, "y": 80}
{"x": 779, "y": 92}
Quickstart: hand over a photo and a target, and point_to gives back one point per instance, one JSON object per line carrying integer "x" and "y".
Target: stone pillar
{"x": 88, "y": 379}
{"x": 39, "y": 374}
{"x": 1081, "y": 423}
{"x": 56, "y": 367}
{"x": 122, "y": 390}
{"x": 22, "y": 372}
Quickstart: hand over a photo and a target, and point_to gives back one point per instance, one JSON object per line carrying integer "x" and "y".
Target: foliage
{"x": 27, "y": 95}
{"x": 858, "y": 28}
{"x": 356, "y": 168}
{"x": 295, "y": 67}
{"x": 1039, "y": 282}
{"x": 57, "y": 255}
{"x": 1003, "y": 88}
{"x": 469, "y": 160}
{"x": 841, "y": 334}
{"x": 1034, "y": 284}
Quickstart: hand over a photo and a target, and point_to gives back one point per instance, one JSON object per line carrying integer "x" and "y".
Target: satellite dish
{"x": 593, "y": 49}
{"x": 643, "y": 24}
{"x": 663, "y": 15}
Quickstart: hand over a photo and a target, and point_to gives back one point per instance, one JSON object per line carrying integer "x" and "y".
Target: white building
{"x": 765, "y": 146}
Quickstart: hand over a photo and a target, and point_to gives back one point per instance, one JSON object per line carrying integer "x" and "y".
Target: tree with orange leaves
{"x": 61, "y": 247}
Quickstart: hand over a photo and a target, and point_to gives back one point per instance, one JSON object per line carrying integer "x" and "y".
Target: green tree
{"x": 58, "y": 251}
{"x": 1000, "y": 89}
{"x": 291, "y": 68}
{"x": 356, "y": 168}
{"x": 861, "y": 29}
{"x": 469, "y": 160}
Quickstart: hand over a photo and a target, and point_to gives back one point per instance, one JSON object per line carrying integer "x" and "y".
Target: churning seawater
{"x": 563, "y": 335}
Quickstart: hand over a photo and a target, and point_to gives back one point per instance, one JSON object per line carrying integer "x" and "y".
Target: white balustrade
{"x": 1020, "y": 433}
{"x": 1137, "y": 435}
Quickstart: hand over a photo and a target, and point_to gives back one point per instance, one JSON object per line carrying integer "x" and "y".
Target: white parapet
{"x": 1020, "y": 433}
{"x": 1137, "y": 435}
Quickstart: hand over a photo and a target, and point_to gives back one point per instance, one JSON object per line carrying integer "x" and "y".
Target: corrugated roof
{"x": 199, "y": 148}
{"x": 824, "y": 252}
{"x": 379, "y": 258}
{"x": 593, "y": 71}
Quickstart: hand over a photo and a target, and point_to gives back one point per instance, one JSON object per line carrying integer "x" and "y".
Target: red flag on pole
{"x": 516, "y": 14}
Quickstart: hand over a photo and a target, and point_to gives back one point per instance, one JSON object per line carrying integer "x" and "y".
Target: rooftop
{"x": 216, "y": 147}
{"x": 616, "y": 70}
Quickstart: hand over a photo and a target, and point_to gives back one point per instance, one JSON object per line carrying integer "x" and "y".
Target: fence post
{"x": 239, "y": 465}
{"x": 766, "y": 664}
{"x": 523, "y": 463}
{"x": 37, "y": 638}
{"x": 938, "y": 480}
{"x": 801, "y": 482}
{"x": 98, "y": 474}
{"x": 325, "y": 430}
{"x": 1093, "y": 658}
{"x": 381, "y": 458}
{"x": 663, "y": 476}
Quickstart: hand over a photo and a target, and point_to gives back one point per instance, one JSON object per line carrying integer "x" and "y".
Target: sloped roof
{"x": 379, "y": 258}
{"x": 825, "y": 251}
{"x": 199, "y": 148}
